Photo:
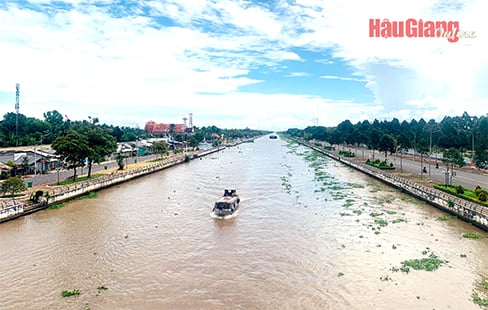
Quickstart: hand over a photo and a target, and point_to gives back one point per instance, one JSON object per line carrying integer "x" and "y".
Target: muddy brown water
{"x": 305, "y": 237}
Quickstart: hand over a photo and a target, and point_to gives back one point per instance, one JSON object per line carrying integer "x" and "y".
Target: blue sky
{"x": 260, "y": 64}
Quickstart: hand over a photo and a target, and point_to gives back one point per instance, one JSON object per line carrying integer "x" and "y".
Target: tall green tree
{"x": 453, "y": 155}
{"x": 55, "y": 121}
{"x": 387, "y": 144}
{"x": 101, "y": 144}
{"x": 160, "y": 147}
{"x": 73, "y": 148}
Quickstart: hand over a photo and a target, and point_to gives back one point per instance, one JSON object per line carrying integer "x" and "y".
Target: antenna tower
{"x": 17, "y": 106}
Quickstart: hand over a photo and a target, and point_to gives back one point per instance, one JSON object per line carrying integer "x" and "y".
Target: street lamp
{"x": 472, "y": 147}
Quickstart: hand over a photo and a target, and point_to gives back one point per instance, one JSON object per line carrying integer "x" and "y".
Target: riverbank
{"x": 11, "y": 209}
{"x": 468, "y": 211}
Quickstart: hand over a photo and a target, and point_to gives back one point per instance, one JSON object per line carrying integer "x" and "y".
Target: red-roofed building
{"x": 154, "y": 128}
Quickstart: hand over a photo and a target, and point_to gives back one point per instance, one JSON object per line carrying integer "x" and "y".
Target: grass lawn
{"x": 78, "y": 179}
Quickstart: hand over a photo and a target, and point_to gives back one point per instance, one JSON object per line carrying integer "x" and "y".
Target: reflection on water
{"x": 310, "y": 234}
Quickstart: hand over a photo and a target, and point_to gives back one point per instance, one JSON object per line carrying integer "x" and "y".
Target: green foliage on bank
{"x": 347, "y": 154}
{"x": 479, "y": 195}
{"x": 381, "y": 164}
{"x": 58, "y": 205}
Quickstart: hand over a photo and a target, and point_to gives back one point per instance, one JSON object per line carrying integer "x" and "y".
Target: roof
{"x": 4, "y": 167}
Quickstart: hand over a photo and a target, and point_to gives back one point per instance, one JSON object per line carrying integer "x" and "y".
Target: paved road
{"x": 466, "y": 176}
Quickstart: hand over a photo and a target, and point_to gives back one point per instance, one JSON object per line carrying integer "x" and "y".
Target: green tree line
{"x": 459, "y": 133}
{"x": 33, "y": 131}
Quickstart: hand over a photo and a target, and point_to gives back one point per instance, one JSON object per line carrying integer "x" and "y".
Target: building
{"x": 154, "y": 128}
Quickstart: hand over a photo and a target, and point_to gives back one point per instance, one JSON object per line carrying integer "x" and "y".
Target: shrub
{"x": 35, "y": 196}
{"x": 478, "y": 187}
{"x": 479, "y": 190}
{"x": 460, "y": 189}
{"x": 12, "y": 185}
{"x": 482, "y": 196}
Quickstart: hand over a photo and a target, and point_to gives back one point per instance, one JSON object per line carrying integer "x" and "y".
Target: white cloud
{"x": 297, "y": 74}
{"x": 87, "y": 62}
{"x": 343, "y": 78}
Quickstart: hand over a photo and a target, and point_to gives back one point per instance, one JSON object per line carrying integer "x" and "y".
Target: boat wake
{"x": 225, "y": 217}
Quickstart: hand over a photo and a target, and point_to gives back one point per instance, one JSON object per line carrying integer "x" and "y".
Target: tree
{"x": 13, "y": 185}
{"x": 73, "y": 149}
{"x": 387, "y": 144}
{"x": 54, "y": 119}
{"x": 374, "y": 139}
{"x": 25, "y": 165}
{"x": 12, "y": 164}
{"x": 454, "y": 156}
{"x": 120, "y": 161}
{"x": 101, "y": 144}
{"x": 193, "y": 142}
{"x": 160, "y": 147}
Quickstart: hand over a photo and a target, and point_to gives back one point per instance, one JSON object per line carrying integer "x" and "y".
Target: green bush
{"x": 482, "y": 197}
{"x": 479, "y": 190}
{"x": 460, "y": 189}
{"x": 36, "y": 195}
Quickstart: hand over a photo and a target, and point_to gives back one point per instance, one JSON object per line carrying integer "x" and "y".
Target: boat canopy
{"x": 230, "y": 192}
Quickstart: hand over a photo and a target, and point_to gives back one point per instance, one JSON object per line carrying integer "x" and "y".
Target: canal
{"x": 311, "y": 233}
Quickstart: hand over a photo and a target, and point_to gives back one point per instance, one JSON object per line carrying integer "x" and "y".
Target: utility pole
{"x": 430, "y": 148}
{"x": 472, "y": 147}
{"x": 17, "y": 106}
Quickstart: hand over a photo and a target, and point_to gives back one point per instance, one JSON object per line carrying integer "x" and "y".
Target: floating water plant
{"x": 445, "y": 217}
{"x": 375, "y": 214}
{"x": 399, "y": 220}
{"x": 471, "y": 235}
{"x": 386, "y": 278}
{"x": 430, "y": 263}
{"x": 480, "y": 301}
{"x": 70, "y": 293}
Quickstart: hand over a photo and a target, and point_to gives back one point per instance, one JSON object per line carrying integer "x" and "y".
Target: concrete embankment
{"x": 11, "y": 209}
{"x": 466, "y": 210}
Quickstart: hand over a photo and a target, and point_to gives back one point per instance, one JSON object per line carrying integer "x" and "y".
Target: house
{"x": 30, "y": 161}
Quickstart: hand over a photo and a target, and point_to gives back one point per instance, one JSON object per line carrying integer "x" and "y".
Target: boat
{"x": 227, "y": 205}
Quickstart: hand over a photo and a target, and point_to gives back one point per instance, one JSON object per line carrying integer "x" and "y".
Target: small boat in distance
{"x": 227, "y": 204}
{"x": 273, "y": 137}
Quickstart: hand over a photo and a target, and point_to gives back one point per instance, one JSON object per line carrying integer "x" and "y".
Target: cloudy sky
{"x": 261, "y": 64}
